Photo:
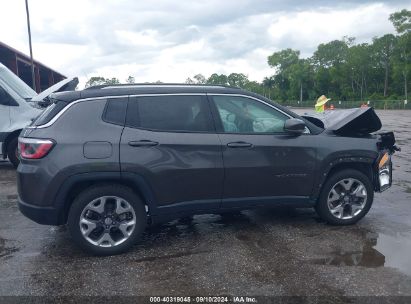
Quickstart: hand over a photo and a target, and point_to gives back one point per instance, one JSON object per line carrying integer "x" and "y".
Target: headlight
{"x": 384, "y": 171}
{"x": 384, "y": 177}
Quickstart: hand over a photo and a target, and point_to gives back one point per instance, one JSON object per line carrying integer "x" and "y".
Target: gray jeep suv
{"x": 110, "y": 160}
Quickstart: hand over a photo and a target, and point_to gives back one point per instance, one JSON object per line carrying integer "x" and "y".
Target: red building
{"x": 20, "y": 64}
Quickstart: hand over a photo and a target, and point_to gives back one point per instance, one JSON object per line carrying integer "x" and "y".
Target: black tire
{"x": 12, "y": 152}
{"x": 94, "y": 192}
{"x": 322, "y": 205}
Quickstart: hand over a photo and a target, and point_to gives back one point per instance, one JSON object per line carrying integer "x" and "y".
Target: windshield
{"x": 16, "y": 84}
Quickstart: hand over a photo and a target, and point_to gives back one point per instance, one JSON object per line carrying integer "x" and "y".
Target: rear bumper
{"x": 39, "y": 214}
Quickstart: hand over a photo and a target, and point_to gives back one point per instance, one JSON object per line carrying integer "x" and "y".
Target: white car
{"x": 19, "y": 105}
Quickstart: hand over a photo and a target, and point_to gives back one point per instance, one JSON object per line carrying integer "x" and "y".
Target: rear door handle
{"x": 239, "y": 144}
{"x": 142, "y": 143}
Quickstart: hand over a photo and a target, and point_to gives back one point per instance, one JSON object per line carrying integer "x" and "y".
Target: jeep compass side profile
{"x": 110, "y": 160}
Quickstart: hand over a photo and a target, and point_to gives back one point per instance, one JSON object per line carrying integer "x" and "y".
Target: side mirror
{"x": 295, "y": 126}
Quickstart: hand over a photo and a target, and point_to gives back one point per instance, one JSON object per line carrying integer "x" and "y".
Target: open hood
{"x": 347, "y": 122}
{"x": 11, "y": 82}
{"x": 68, "y": 84}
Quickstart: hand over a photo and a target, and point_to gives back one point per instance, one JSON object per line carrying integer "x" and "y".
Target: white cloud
{"x": 170, "y": 41}
{"x": 306, "y": 30}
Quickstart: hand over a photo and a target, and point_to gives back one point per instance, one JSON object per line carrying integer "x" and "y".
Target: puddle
{"x": 202, "y": 224}
{"x": 396, "y": 249}
{"x": 378, "y": 250}
{"x": 193, "y": 227}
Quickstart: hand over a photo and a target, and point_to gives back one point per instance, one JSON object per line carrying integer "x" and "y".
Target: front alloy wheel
{"x": 345, "y": 198}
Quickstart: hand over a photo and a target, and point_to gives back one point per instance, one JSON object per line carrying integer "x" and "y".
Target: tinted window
{"x": 170, "y": 113}
{"x": 246, "y": 115}
{"x": 5, "y": 98}
{"x": 49, "y": 113}
{"x": 115, "y": 111}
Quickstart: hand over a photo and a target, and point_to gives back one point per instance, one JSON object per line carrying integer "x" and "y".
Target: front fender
{"x": 341, "y": 160}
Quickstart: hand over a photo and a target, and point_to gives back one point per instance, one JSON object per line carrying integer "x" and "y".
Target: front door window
{"x": 245, "y": 115}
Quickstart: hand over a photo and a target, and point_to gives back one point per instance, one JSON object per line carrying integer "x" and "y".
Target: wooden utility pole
{"x": 33, "y": 77}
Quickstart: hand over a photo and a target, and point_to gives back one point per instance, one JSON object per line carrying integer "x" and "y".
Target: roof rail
{"x": 134, "y": 85}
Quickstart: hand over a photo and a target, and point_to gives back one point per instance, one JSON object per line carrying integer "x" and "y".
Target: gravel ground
{"x": 276, "y": 252}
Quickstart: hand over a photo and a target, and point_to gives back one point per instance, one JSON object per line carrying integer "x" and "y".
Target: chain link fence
{"x": 377, "y": 104}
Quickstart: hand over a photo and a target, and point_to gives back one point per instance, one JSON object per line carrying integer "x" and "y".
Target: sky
{"x": 173, "y": 40}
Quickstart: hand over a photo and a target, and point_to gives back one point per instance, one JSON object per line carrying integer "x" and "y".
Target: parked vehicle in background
{"x": 19, "y": 105}
{"x": 110, "y": 160}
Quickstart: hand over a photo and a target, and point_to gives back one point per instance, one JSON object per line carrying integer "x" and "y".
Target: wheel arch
{"x": 75, "y": 184}
{"x": 364, "y": 165}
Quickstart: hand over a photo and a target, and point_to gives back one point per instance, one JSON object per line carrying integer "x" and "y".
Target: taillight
{"x": 34, "y": 148}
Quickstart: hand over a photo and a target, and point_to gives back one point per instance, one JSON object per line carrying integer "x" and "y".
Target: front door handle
{"x": 142, "y": 143}
{"x": 239, "y": 144}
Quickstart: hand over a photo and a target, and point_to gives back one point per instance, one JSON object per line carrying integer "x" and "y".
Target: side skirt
{"x": 178, "y": 210}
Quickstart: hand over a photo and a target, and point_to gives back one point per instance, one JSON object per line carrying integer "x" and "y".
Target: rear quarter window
{"x": 49, "y": 113}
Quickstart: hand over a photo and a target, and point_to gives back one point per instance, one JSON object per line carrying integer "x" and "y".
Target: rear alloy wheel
{"x": 107, "y": 220}
{"x": 346, "y": 197}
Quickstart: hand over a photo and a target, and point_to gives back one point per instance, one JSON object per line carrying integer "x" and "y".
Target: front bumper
{"x": 39, "y": 214}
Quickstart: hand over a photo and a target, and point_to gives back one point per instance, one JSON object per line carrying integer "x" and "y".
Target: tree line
{"x": 340, "y": 69}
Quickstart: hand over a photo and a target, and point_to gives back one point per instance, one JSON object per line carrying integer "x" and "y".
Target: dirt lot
{"x": 275, "y": 252}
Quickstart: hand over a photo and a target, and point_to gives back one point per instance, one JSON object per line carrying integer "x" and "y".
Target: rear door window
{"x": 171, "y": 113}
{"x": 115, "y": 111}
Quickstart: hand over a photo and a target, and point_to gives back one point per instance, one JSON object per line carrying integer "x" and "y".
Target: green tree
{"x": 322, "y": 81}
{"x": 402, "y": 62}
{"x": 113, "y": 80}
{"x": 401, "y": 21}
{"x": 190, "y": 81}
{"x": 283, "y": 59}
{"x": 237, "y": 80}
{"x": 383, "y": 50}
{"x": 255, "y": 87}
{"x": 268, "y": 84}
{"x": 130, "y": 79}
{"x": 340, "y": 69}
{"x": 98, "y": 80}
{"x": 216, "y": 79}
{"x": 299, "y": 76}
{"x": 359, "y": 66}
{"x": 331, "y": 54}
{"x": 94, "y": 81}
{"x": 200, "y": 79}
{"x": 292, "y": 74}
